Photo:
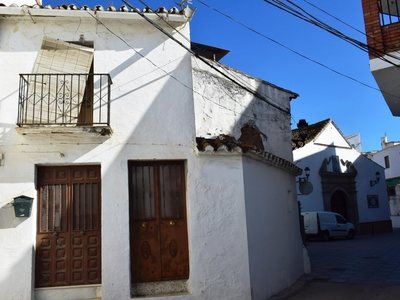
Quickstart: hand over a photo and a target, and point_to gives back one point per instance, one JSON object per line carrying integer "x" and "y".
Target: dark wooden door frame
{"x": 69, "y": 254}
{"x": 159, "y": 245}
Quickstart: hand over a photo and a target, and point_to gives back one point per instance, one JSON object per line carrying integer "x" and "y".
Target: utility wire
{"x": 341, "y": 21}
{"x": 254, "y": 93}
{"x": 334, "y": 17}
{"x": 226, "y": 69}
{"x": 299, "y": 12}
{"x": 241, "y": 80}
{"x": 168, "y": 73}
{"x": 287, "y": 48}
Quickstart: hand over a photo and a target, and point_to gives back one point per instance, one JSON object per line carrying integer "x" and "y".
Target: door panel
{"x": 68, "y": 237}
{"x": 174, "y": 250}
{"x": 52, "y": 237}
{"x": 146, "y": 265}
{"x": 159, "y": 248}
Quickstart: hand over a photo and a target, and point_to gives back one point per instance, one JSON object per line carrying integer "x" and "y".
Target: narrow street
{"x": 367, "y": 267}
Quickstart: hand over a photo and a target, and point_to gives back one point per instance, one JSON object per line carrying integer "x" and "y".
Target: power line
{"x": 286, "y": 47}
{"x": 341, "y": 21}
{"x": 334, "y": 17}
{"x": 242, "y": 81}
{"x": 299, "y": 12}
{"x": 169, "y": 74}
{"x": 254, "y": 93}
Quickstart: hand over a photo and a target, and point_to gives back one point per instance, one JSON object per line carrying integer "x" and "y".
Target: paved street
{"x": 367, "y": 258}
{"x": 367, "y": 267}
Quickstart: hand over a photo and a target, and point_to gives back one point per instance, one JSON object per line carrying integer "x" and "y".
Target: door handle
{"x": 171, "y": 223}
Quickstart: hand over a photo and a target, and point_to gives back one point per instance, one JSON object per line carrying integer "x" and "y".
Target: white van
{"x": 326, "y": 225}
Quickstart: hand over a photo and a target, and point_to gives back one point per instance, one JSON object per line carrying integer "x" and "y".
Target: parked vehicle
{"x": 327, "y": 225}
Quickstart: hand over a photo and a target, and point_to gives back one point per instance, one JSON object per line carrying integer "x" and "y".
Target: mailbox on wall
{"x": 23, "y": 206}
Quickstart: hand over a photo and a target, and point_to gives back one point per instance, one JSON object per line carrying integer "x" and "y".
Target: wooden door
{"x": 339, "y": 203}
{"x": 159, "y": 245}
{"x": 68, "y": 240}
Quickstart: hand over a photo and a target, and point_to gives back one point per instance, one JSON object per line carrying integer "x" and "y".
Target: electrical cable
{"x": 169, "y": 74}
{"x": 343, "y": 22}
{"x": 254, "y": 93}
{"x": 302, "y": 14}
{"x": 243, "y": 82}
{"x": 288, "y": 48}
{"x": 334, "y": 17}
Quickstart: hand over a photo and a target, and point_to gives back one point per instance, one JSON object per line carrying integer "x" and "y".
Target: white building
{"x": 389, "y": 158}
{"x": 99, "y": 114}
{"x": 344, "y": 180}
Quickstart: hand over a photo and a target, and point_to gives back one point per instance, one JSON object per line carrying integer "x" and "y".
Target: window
{"x": 387, "y": 162}
{"x": 60, "y": 86}
{"x": 340, "y": 219}
{"x": 159, "y": 243}
{"x": 68, "y": 239}
{"x": 373, "y": 201}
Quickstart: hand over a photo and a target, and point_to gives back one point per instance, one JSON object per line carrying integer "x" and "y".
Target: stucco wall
{"x": 152, "y": 117}
{"x": 223, "y": 108}
{"x": 219, "y": 253}
{"x": 394, "y": 159}
{"x": 275, "y": 246}
{"x": 145, "y": 121}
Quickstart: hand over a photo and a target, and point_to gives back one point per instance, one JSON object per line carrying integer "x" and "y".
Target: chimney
{"x": 384, "y": 141}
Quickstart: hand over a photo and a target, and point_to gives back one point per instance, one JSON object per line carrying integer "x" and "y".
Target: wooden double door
{"x": 159, "y": 242}
{"x": 68, "y": 240}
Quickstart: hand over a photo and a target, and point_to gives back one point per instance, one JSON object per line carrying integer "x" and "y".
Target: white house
{"x": 389, "y": 158}
{"x": 150, "y": 171}
{"x": 344, "y": 180}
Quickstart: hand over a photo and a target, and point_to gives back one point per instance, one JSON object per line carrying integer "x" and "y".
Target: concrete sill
{"x": 65, "y": 130}
{"x": 81, "y": 292}
{"x": 160, "y": 289}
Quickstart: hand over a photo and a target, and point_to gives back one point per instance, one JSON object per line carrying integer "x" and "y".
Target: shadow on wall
{"x": 8, "y": 218}
{"x": 15, "y": 275}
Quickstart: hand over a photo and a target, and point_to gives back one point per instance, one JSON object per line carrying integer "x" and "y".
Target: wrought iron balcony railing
{"x": 389, "y": 11}
{"x": 64, "y": 99}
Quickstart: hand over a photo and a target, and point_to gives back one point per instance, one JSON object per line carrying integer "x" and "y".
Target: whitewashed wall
{"x": 219, "y": 257}
{"x": 152, "y": 117}
{"x": 394, "y": 158}
{"x": 274, "y": 240}
{"x": 273, "y": 235}
{"x": 223, "y": 108}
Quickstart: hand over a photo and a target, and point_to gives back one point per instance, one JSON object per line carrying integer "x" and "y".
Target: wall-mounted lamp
{"x": 305, "y": 186}
{"x": 307, "y": 173}
{"x": 22, "y": 206}
{"x": 377, "y": 178}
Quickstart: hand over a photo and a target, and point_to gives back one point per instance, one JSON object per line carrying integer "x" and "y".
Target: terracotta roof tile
{"x": 123, "y": 8}
{"x": 308, "y": 134}
{"x": 229, "y": 145}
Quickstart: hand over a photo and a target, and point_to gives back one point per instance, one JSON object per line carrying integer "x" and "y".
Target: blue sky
{"x": 354, "y": 108}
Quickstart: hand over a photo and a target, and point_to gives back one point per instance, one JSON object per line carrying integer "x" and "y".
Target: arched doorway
{"x": 339, "y": 203}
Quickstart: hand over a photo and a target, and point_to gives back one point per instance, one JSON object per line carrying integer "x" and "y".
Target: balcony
{"x": 64, "y": 101}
